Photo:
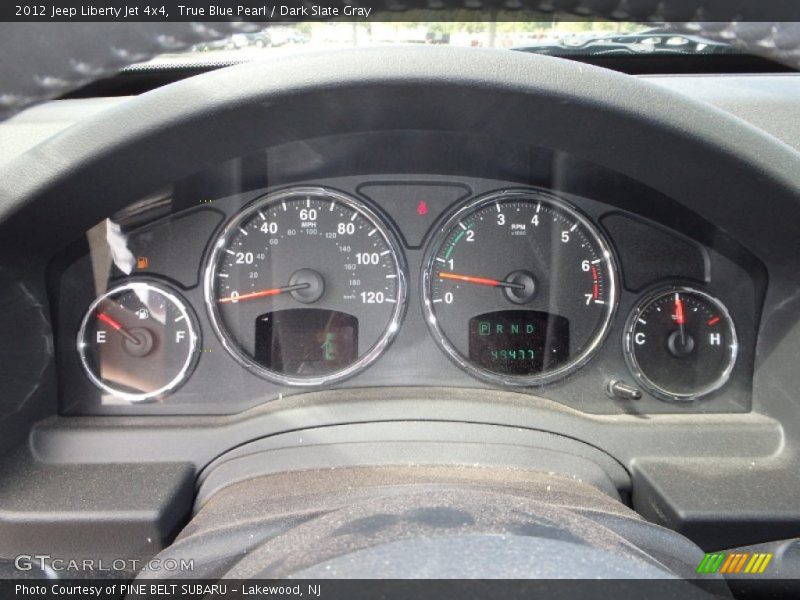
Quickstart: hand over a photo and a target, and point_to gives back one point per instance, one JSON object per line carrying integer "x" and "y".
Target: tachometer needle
{"x": 117, "y": 326}
{"x": 481, "y": 281}
{"x": 264, "y": 293}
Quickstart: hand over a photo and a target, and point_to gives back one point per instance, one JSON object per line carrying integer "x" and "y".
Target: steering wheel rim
{"x": 128, "y": 152}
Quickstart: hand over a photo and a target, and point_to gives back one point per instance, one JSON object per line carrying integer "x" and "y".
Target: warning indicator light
{"x": 422, "y": 208}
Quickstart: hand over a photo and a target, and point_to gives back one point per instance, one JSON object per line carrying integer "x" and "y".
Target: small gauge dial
{"x": 138, "y": 341}
{"x": 306, "y": 286}
{"x": 680, "y": 343}
{"x": 519, "y": 288}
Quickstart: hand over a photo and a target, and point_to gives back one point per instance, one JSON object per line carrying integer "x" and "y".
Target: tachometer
{"x": 306, "y": 286}
{"x": 519, "y": 288}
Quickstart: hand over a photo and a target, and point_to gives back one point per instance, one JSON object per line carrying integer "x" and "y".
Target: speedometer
{"x": 306, "y": 286}
{"x": 519, "y": 288}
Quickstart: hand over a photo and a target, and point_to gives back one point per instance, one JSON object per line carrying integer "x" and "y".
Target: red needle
{"x": 264, "y": 293}
{"x": 480, "y": 280}
{"x": 111, "y": 322}
{"x": 470, "y": 279}
{"x": 680, "y": 317}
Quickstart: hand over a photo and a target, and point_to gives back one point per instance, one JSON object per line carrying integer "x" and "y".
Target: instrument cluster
{"x": 308, "y": 286}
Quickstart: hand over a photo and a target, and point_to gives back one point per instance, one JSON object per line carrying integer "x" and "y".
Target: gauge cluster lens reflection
{"x": 519, "y": 288}
{"x": 306, "y": 340}
{"x": 306, "y": 286}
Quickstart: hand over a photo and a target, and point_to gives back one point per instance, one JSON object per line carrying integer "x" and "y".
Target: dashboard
{"x": 551, "y": 283}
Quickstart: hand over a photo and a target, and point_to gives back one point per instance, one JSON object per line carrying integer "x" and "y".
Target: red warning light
{"x": 422, "y": 208}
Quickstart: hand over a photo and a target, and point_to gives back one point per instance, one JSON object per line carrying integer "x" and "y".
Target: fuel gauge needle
{"x": 481, "y": 281}
{"x": 117, "y": 326}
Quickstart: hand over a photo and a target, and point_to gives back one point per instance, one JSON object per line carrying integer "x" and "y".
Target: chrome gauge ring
{"x": 306, "y": 286}
{"x": 519, "y": 288}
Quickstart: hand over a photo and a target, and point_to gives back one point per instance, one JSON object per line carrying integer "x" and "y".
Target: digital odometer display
{"x": 518, "y": 342}
{"x": 306, "y": 286}
{"x": 516, "y": 261}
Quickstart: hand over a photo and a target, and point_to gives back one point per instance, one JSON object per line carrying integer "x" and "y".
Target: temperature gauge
{"x": 680, "y": 344}
{"x": 138, "y": 341}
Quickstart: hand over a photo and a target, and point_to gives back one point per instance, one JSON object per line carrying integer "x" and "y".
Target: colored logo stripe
{"x": 711, "y": 562}
{"x": 758, "y": 564}
{"x": 734, "y": 563}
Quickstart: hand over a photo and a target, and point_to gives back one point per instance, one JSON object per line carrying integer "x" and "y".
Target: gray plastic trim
{"x": 414, "y": 444}
{"x": 199, "y": 440}
{"x": 100, "y": 511}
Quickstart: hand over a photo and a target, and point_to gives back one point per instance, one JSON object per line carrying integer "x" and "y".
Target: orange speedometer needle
{"x": 117, "y": 326}
{"x": 481, "y": 280}
{"x": 264, "y": 293}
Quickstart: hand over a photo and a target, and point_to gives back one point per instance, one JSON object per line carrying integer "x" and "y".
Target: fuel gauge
{"x": 680, "y": 343}
{"x": 138, "y": 341}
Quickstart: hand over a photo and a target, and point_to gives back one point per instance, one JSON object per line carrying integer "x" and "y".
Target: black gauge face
{"x": 519, "y": 288}
{"x": 680, "y": 344}
{"x": 138, "y": 341}
{"x": 305, "y": 286}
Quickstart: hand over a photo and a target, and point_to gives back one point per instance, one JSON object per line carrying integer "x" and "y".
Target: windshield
{"x": 556, "y": 38}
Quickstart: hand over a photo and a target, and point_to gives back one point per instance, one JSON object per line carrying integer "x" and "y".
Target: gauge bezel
{"x": 193, "y": 355}
{"x": 232, "y": 347}
{"x": 630, "y": 355}
{"x": 534, "y": 195}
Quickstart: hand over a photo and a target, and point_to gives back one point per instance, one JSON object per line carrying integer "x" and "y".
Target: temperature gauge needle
{"x": 481, "y": 281}
{"x": 680, "y": 317}
{"x": 265, "y": 293}
{"x": 117, "y": 326}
